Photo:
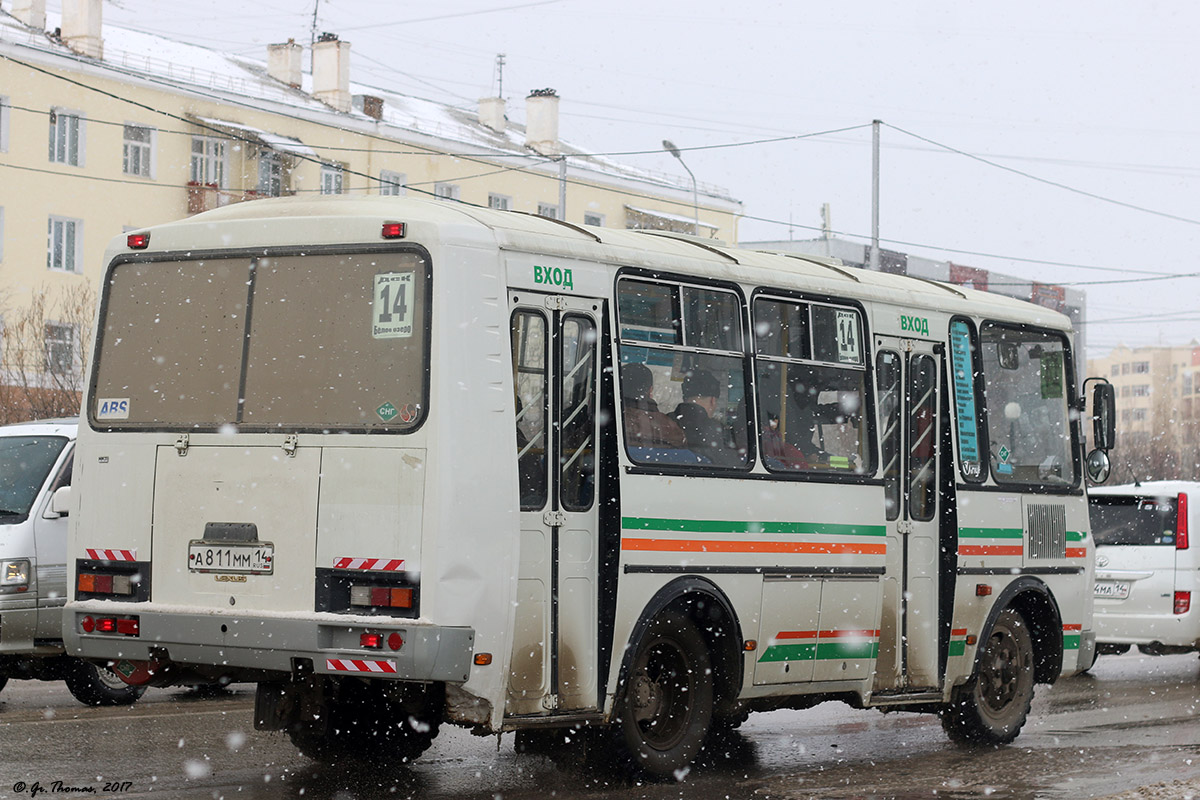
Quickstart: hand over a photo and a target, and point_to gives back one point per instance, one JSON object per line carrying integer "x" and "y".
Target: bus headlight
{"x": 14, "y": 575}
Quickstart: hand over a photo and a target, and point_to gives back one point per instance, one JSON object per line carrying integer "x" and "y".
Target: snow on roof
{"x": 286, "y": 144}
{"x": 233, "y": 78}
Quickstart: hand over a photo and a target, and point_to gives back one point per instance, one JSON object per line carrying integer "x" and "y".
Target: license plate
{"x": 252, "y": 559}
{"x": 1112, "y": 591}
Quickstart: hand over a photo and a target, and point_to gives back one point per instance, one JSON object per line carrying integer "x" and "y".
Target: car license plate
{"x": 252, "y": 559}
{"x": 1112, "y": 591}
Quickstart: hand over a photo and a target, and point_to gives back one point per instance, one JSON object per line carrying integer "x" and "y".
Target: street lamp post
{"x": 670, "y": 147}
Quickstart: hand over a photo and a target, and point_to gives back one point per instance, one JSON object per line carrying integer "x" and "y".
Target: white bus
{"x": 405, "y": 463}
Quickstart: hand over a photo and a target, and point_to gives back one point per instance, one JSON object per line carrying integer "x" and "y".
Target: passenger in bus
{"x": 777, "y": 452}
{"x": 705, "y": 436}
{"x": 645, "y": 424}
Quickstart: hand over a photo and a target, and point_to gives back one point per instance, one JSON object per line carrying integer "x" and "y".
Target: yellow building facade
{"x": 105, "y": 130}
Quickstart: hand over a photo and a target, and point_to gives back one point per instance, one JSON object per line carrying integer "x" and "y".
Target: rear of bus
{"x": 1146, "y": 568}
{"x": 258, "y": 462}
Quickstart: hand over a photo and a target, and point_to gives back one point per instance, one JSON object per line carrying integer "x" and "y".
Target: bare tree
{"x": 47, "y": 343}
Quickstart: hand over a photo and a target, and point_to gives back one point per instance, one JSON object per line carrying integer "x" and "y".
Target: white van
{"x": 35, "y": 481}
{"x": 1146, "y": 571}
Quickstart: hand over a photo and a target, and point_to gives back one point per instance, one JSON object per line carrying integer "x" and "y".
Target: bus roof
{"x": 355, "y": 219}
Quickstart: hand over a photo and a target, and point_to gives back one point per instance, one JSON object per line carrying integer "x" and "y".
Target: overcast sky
{"x": 1075, "y": 123}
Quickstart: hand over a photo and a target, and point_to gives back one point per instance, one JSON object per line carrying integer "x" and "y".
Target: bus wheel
{"x": 94, "y": 685}
{"x": 664, "y": 711}
{"x": 372, "y": 722}
{"x": 992, "y": 706}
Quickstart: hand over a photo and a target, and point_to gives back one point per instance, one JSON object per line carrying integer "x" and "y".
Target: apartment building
{"x": 105, "y": 130}
{"x": 1158, "y": 395}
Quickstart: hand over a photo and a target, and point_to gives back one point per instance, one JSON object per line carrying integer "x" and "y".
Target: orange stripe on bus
{"x": 990, "y": 550}
{"x": 796, "y": 635}
{"x": 1076, "y": 552}
{"x": 1072, "y": 627}
{"x": 726, "y": 546}
{"x": 849, "y": 634}
{"x": 959, "y": 632}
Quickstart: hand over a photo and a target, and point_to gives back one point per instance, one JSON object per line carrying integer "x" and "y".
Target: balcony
{"x": 207, "y": 196}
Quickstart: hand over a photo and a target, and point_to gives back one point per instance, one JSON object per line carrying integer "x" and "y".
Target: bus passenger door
{"x": 910, "y": 419}
{"x": 554, "y": 660}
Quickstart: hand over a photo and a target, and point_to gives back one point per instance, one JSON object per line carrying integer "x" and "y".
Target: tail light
{"x": 122, "y": 626}
{"x": 1181, "y": 524}
{"x": 97, "y": 583}
{"x": 1183, "y": 602}
{"x": 366, "y": 596}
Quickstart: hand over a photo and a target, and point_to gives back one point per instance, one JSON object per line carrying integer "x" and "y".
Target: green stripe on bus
{"x": 957, "y": 647}
{"x": 790, "y": 652}
{"x": 1076, "y": 536}
{"x": 738, "y": 526}
{"x": 1071, "y": 642}
{"x": 824, "y": 651}
{"x": 990, "y": 533}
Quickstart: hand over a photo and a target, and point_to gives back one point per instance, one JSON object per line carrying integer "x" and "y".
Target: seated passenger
{"x": 705, "y": 436}
{"x": 645, "y": 425}
{"x": 778, "y": 453}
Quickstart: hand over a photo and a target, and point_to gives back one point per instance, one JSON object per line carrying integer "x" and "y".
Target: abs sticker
{"x": 112, "y": 408}
{"x": 392, "y": 312}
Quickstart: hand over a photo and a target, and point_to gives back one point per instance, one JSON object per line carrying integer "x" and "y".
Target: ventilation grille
{"x": 1047, "y": 531}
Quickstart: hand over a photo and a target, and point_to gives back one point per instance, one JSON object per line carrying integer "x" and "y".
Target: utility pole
{"x": 500, "y": 73}
{"x": 313, "y": 35}
{"x": 874, "y": 263}
{"x": 562, "y": 188}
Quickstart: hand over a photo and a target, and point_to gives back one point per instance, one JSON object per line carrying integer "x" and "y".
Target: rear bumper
{"x": 273, "y": 642}
{"x": 1181, "y": 630}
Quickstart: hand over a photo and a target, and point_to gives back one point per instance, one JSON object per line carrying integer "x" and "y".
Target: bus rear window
{"x": 335, "y": 342}
{"x": 1133, "y": 520}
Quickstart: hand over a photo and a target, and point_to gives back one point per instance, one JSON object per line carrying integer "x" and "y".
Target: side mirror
{"x": 60, "y": 501}
{"x": 1097, "y": 466}
{"x": 1104, "y": 416}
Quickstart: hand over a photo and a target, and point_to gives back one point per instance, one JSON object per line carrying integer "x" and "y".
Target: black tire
{"x": 1111, "y": 649}
{"x": 991, "y": 708}
{"x": 366, "y": 725}
{"x": 94, "y": 685}
{"x": 665, "y": 708}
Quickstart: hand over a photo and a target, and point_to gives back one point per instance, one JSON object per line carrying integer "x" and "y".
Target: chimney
{"x": 491, "y": 113}
{"x": 370, "y": 105}
{"x": 284, "y": 62}
{"x": 81, "y": 27}
{"x": 31, "y": 13}
{"x": 331, "y": 72}
{"x": 541, "y": 121}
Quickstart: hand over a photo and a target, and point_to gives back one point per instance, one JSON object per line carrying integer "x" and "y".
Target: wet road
{"x": 1131, "y": 723}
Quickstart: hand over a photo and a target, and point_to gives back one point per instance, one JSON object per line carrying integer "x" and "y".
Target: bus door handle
{"x": 904, "y": 527}
{"x": 554, "y": 519}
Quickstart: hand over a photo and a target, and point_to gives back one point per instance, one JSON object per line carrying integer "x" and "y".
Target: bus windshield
{"x": 25, "y": 461}
{"x": 319, "y": 342}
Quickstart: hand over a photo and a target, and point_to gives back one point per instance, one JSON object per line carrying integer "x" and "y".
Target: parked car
{"x": 35, "y": 481}
{"x": 1147, "y": 572}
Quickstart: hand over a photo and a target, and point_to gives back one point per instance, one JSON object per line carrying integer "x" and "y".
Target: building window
{"x": 1124, "y": 391}
{"x": 270, "y": 173}
{"x": 1187, "y": 383}
{"x": 547, "y": 210}
{"x": 1124, "y": 369}
{"x": 1141, "y": 390}
{"x": 446, "y": 191}
{"x": 65, "y": 237}
{"x": 332, "y": 179}
{"x": 3, "y": 124}
{"x": 209, "y": 161}
{"x": 66, "y": 137}
{"x": 498, "y": 201}
{"x": 59, "y": 341}
{"x": 1139, "y": 415}
{"x": 1141, "y": 367}
{"x": 392, "y": 183}
{"x": 593, "y": 219}
{"x": 138, "y": 148}
{"x": 1116, "y": 369}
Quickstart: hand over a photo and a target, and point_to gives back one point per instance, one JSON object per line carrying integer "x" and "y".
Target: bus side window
{"x": 529, "y": 363}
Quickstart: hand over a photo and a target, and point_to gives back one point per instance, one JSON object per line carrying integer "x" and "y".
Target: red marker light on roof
{"x": 391, "y": 230}
{"x": 138, "y": 241}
